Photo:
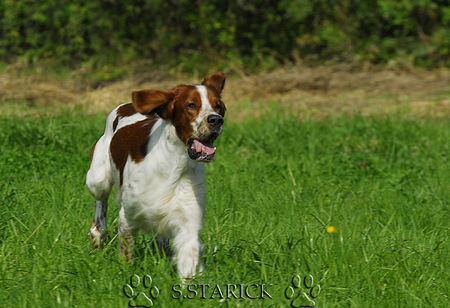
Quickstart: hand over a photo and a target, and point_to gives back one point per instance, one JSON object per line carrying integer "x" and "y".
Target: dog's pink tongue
{"x": 200, "y": 147}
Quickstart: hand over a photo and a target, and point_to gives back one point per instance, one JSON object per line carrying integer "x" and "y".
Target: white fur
{"x": 99, "y": 177}
{"x": 163, "y": 193}
{"x": 205, "y": 110}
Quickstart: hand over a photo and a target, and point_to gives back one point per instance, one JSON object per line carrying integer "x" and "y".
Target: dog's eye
{"x": 220, "y": 106}
{"x": 191, "y": 106}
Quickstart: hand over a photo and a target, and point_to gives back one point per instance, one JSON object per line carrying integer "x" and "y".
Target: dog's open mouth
{"x": 202, "y": 150}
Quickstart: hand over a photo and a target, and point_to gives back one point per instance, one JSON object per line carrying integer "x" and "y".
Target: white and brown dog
{"x": 153, "y": 150}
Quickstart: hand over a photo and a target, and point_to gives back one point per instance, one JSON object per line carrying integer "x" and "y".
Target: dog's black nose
{"x": 215, "y": 120}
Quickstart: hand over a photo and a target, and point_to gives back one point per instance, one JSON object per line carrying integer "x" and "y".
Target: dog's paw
{"x": 143, "y": 298}
{"x": 98, "y": 237}
{"x": 302, "y": 292}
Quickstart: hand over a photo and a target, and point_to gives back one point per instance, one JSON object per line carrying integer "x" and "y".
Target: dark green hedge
{"x": 113, "y": 30}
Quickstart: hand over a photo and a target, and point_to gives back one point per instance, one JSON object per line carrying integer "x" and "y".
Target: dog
{"x": 154, "y": 149}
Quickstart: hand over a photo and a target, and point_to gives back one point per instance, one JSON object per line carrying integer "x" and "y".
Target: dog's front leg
{"x": 187, "y": 252}
{"x": 98, "y": 231}
{"x": 163, "y": 245}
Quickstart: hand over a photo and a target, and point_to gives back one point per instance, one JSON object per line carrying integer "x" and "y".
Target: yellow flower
{"x": 332, "y": 230}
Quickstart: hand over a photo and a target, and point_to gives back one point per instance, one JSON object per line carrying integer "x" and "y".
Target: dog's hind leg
{"x": 127, "y": 236}
{"x": 99, "y": 182}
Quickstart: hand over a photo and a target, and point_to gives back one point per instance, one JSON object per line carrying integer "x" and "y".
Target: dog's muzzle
{"x": 202, "y": 150}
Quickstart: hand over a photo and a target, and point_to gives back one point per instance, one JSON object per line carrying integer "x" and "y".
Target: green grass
{"x": 275, "y": 186}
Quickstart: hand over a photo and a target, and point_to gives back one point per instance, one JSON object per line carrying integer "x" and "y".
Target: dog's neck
{"x": 169, "y": 151}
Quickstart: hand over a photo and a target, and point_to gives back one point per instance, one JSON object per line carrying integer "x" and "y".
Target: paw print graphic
{"x": 142, "y": 298}
{"x": 302, "y": 292}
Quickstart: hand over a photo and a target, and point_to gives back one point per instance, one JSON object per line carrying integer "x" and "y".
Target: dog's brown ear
{"x": 216, "y": 80}
{"x": 148, "y": 101}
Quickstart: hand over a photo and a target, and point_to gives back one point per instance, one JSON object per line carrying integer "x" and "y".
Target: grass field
{"x": 275, "y": 186}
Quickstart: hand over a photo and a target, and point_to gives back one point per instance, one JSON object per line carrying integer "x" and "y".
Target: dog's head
{"x": 196, "y": 111}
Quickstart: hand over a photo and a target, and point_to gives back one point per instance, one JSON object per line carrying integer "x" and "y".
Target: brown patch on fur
{"x": 123, "y": 111}
{"x": 115, "y": 123}
{"x": 148, "y": 101}
{"x": 131, "y": 140}
{"x": 215, "y": 81}
{"x": 183, "y": 115}
{"x": 216, "y": 102}
{"x": 92, "y": 153}
{"x": 126, "y": 110}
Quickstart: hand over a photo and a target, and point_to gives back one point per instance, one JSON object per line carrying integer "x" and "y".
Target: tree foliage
{"x": 417, "y": 31}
